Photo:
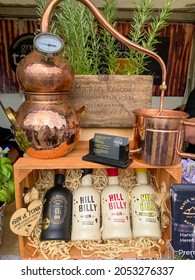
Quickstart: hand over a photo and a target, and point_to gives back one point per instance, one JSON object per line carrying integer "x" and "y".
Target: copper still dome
{"x": 35, "y": 74}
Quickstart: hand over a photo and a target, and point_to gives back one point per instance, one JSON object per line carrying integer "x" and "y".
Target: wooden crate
{"x": 109, "y": 100}
{"x": 26, "y": 172}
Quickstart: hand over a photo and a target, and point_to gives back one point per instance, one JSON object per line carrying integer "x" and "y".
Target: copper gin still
{"x": 46, "y": 125}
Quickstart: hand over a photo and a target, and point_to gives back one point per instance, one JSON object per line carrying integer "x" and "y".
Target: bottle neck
{"x": 86, "y": 180}
{"x": 59, "y": 180}
{"x": 113, "y": 180}
{"x": 142, "y": 178}
{"x": 113, "y": 176}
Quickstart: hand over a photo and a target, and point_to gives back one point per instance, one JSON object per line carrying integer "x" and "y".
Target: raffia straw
{"x": 108, "y": 249}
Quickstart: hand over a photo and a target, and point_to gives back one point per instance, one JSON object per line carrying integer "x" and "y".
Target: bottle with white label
{"x": 115, "y": 209}
{"x": 86, "y": 210}
{"x": 145, "y": 213}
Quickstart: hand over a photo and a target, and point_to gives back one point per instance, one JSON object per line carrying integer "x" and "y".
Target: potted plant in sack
{"x": 92, "y": 51}
{"x": 7, "y": 191}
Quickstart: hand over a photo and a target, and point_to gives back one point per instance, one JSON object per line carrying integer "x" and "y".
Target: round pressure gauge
{"x": 48, "y": 43}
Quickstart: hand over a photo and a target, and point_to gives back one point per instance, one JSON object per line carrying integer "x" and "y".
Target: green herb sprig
{"x": 85, "y": 49}
{"x": 145, "y": 29}
{"x": 92, "y": 50}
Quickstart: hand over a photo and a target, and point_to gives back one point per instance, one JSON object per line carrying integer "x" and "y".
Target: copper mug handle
{"x": 180, "y": 141}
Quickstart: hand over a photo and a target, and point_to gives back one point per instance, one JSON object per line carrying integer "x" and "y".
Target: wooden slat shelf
{"x": 73, "y": 160}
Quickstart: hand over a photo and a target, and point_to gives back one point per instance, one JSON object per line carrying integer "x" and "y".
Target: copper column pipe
{"x": 98, "y": 15}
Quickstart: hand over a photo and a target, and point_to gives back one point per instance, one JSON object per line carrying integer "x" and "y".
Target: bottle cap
{"x": 112, "y": 171}
{"x": 141, "y": 170}
{"x": 86, "y": 171}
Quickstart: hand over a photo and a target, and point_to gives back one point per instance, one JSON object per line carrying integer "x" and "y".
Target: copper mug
{"x": 158, "y": 136}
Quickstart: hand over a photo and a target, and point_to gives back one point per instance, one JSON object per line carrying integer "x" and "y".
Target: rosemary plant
{"x": 76, "y": 35}
{"x": 87, "y": 46}
{"x": 92, "y": 50}
{"x": 108, "y": 45}
{"x": 144, "y": 31}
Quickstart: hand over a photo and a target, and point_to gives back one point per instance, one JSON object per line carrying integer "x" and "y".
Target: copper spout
{"x": 10, "y": 114}
{"x": 95, "y": 11}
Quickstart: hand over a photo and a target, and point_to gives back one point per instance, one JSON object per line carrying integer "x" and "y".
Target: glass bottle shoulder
{"x": 57, "y": 190}
{"x": 82, "y": 190}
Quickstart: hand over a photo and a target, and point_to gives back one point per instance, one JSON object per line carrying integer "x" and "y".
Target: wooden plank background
{"x": 180, "y": 36}
{"x": 9, "y": 30}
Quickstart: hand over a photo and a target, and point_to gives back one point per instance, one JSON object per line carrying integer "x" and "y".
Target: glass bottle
{"x": 145, "y": 213}
{"x": 57, "y": 211}
{"x": 86, "y": 210}
{"x": 115, "y": 209}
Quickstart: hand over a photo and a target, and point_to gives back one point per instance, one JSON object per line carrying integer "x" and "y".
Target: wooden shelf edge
{"x": 74, "y": 160}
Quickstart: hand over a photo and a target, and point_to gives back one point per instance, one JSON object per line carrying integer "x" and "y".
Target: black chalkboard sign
{"x": 20, "y": 47}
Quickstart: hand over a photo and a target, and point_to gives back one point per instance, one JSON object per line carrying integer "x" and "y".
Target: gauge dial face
{"x": 48, "y": 43}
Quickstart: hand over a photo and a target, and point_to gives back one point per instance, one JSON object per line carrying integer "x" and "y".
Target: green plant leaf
{"x": 7, "y": 191}
{"x": 3, "y": 195}
{"x": 6, "y": 169}
{"x": 10, "y": 187}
